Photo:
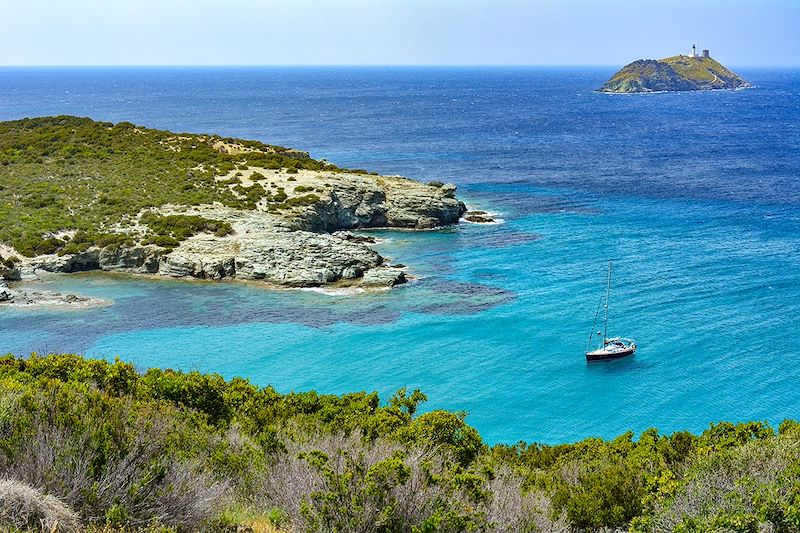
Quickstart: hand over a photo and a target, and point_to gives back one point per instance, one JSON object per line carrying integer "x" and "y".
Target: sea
{"x": 694, "y": 198}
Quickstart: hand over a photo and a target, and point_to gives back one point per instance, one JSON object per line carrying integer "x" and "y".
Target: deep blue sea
{"x": 694, "y": 196}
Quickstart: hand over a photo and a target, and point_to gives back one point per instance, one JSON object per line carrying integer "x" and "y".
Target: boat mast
{"x": 608, "y": 301}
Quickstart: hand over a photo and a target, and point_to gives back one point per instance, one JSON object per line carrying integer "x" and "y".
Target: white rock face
{"x": 291, "y": 245}
{"x": 365, "y": 201}
{"x": 6, "y": 294}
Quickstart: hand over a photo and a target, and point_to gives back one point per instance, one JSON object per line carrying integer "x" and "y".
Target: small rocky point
{"x": 478, "y": 217}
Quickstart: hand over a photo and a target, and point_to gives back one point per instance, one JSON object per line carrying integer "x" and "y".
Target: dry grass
{"x": 59, "y": 461}
{"x": 262, "y": 525}
{"x": 23, "y": 507}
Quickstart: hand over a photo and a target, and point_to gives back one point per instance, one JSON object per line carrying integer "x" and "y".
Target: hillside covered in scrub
{"x": 88, "y": 445}
{"x": 676, "y": 73}
{"x": 76, "y": 194}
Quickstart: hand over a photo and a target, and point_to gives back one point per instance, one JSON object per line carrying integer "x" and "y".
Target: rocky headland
{"x": 677, "y": 73}
{"x": 236, "y": 209}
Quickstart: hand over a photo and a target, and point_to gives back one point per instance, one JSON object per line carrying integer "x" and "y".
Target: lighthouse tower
{"x": 694, "y": 51}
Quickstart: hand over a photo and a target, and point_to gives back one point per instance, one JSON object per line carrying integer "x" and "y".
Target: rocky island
{"x": 77, "y": 195}
{"x": 695, "y": 72}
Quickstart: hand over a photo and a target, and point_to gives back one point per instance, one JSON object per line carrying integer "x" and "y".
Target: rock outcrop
{"x": 479, "y": 217}
{"x": 6, "y": 294}
{"x": 262, "y": 248}
{"x": 355, "y": 201}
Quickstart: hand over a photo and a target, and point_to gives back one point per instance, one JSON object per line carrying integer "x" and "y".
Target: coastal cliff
{"x": 82, "y": 195}
{"x": 677, "y": 73}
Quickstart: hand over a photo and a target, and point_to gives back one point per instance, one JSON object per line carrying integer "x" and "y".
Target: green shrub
{"x": 171, "y": 229}
{"x": 40, "y": 246}
{"x": 83, "y": 240}
{"x": 280, "y": 196}
{"x": 298, "y": 201}
{"x": 164, "y": 241}
{"x": 116, "y": 516}
{"x": 442, "y": 428}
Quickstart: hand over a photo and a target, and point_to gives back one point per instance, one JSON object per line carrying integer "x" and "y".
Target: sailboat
{"x": 609, "y": 348}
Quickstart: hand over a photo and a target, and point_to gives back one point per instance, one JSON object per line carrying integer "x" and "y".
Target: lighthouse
{"x": 694, "y": 51}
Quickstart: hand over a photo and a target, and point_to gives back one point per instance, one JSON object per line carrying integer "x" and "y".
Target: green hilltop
{"x": 676, "y": 73}
{"x": 68, "y": 173}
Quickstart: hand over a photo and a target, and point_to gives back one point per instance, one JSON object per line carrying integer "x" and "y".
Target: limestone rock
{"x": 137, "y": 259}
{"x": 478, "y": 217}
{"x": 352, "y": 237}
{"x": 28, "y": 297}
{"x": 384, "y": 277}
{"x": 6, "y": 294}
{"x": 357, "y": 201}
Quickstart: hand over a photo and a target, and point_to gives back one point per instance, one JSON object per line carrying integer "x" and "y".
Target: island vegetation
{"x": 90, "y": 445}
{"x": 71, "y": 173}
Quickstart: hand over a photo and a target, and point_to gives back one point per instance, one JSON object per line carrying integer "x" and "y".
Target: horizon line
{"x": 358, "y": 65}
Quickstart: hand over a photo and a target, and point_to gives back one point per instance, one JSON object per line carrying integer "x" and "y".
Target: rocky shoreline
{"x": 308, "y": 246}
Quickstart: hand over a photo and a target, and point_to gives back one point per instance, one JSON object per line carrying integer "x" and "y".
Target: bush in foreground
{"x": 23, "y": 507}
{"x": 195, "y": 452}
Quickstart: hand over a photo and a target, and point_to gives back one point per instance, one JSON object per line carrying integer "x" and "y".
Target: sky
{"x": 394, "y": 32}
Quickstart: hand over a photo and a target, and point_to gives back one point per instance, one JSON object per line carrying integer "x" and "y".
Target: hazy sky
{"x": 394, "y": 32}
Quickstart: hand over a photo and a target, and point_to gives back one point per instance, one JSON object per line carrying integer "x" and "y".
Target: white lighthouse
{"x": 695, "y": 56}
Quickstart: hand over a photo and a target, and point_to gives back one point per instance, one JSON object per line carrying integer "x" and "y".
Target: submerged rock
{"x": 478, "y": 217}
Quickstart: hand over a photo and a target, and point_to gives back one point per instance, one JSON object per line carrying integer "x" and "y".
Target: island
{"x": 77, "y": 194}
{"x": 694, "y": 72}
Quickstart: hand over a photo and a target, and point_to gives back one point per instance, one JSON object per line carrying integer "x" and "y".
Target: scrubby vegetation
{"x": 64, "y": 174}
{"x": 96, "y": 445}
{"x": 170, "y": 230}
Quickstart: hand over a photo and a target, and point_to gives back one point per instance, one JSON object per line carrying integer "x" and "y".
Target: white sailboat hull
{"x": 615, "y": 348}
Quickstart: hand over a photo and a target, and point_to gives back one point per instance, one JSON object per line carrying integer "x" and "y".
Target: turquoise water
{"x": 704, "y": 237}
